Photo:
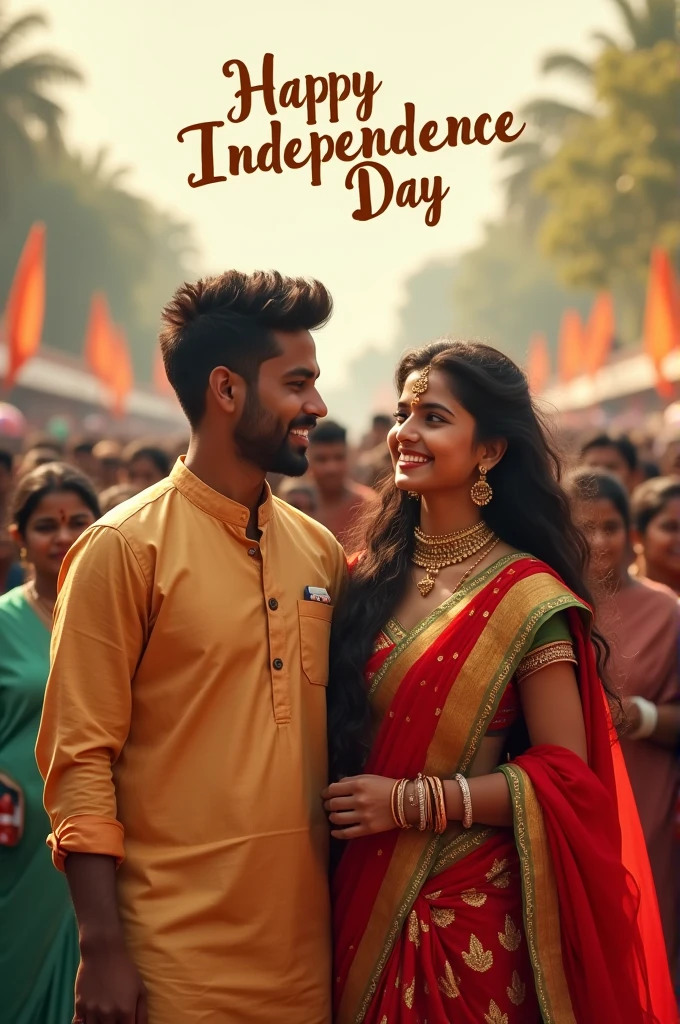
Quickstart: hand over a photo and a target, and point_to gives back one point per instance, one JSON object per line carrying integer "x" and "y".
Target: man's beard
{"x": 262, "y": 439}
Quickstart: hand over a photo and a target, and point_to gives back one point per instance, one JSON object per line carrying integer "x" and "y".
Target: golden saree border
{"x": 460, "y": 727}
{"x": 541, "y": 901}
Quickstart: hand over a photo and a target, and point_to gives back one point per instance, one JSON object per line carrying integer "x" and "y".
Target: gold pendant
{"x": 425, "y": 585}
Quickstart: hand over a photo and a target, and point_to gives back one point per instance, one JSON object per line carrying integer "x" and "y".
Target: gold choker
{"x": 437, "y": 552}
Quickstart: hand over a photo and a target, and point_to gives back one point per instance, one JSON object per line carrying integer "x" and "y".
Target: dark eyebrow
{"x": 429, "y": 405}
{"x": 301, "y": 371}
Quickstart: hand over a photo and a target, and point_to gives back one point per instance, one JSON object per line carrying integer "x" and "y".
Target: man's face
{"x": 611, "y": 460}
{"x": 328, "y": 464}
{"x": 282, "y": 408}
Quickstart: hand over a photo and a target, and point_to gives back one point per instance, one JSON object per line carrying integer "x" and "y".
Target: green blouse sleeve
{"x": 552, "y": 642}
{"x": 553, "y": 630}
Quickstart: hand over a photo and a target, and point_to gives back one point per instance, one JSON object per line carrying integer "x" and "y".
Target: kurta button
{"x": 277, "y": 663}
{"x": 273, "y": 603}
{"x": 252, "y": 551}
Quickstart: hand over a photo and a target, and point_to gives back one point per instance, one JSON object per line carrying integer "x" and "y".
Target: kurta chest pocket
{"x": 315, "y": 633}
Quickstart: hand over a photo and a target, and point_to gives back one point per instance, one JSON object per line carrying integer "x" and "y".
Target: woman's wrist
{"x": 454, "y": 801}
{"x": 649, "y": 719}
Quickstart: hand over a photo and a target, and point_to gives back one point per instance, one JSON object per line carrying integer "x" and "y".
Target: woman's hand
{"x": 360, "y": 806}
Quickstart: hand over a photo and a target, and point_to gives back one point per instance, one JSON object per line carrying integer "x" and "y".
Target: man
{"x": 184, "y": 730}
{"x": 341, "y": 500}
{"x": 144, "y": 464}
{"x": 80, "y": 454}
{"x": 618, "y": 455}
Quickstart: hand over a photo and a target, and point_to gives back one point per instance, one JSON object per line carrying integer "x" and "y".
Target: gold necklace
{"x": 43, "y": 608}
{"x": 437, "y": 552}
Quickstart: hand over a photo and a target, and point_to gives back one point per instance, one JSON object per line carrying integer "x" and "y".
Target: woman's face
{"x": 55, "y": 524}
{"x": 432, "y": 443}
{"x": 607, "y": 536}
{"x": 661, "y": 541}
{"x": 142, "y": 472}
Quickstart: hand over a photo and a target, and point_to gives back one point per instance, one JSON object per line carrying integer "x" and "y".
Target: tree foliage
{"x": 612, "y": 186}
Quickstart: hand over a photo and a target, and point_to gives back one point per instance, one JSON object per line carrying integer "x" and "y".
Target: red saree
{"x": 483, "y": 925}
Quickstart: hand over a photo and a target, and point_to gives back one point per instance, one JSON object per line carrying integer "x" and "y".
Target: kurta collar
{"x": 216, "y": 504}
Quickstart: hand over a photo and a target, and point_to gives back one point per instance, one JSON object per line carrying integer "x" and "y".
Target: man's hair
{"x": 42, "y": 440}
{"x": 6, "y": 460}
{"x": 227, "y": 321}
{"x": 623, "y": 445}
{"x": 81, "y": 445}
{"x": 328, "y": 432}
{"x": 382, "y": 419}
{"x": 147, "y": 450}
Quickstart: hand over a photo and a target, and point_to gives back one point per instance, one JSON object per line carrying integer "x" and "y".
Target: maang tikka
{"x": 419, "y": 388}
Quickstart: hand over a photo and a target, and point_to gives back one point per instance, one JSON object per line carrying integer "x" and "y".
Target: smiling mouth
{"x": 413, "y": 460}
{"x": 301, "y": 435}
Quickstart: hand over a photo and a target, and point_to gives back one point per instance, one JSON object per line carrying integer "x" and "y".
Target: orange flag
{"x": 99, "y": 346}
{"x": 122, "y": 375}
{"x": 599, "y": 335}
{"x": 25, "y": 310}
{"x": 538, "y": 363}
{"x": 661, "y": 331}
{"x": 160, "y": 377}
{"x": 571, "y": 346}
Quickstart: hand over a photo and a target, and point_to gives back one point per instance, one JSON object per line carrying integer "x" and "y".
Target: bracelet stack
{"x": 428, "y": 796}
{"x": 649, "y": 719}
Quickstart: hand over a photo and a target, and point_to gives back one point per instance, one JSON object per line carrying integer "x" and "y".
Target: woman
{"x": 656, "y": 528}
{"x": 39, "y": 956}
{"x": 444, "y": 673}
{"x": 642, "y": 623}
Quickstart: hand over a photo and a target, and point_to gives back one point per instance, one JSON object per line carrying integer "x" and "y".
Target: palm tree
{"x": 28, "y": 115}
{"x": 551, "y": 119}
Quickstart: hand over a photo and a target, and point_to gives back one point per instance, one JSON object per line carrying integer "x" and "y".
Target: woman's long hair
{"x": 530, "y": 511}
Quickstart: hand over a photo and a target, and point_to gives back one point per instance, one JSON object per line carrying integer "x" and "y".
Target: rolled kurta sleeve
{"x": 100, "y": 629}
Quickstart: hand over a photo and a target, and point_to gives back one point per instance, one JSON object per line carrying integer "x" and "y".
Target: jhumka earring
{"x": 481, "y": 492}
{"x": 22, "y": 557}
{"x": 413, "y": 495}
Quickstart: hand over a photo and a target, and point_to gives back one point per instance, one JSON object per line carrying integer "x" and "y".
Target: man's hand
{"x": 109, "y": 989}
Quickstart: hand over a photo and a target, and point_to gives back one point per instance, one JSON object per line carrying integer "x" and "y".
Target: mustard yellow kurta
{"x": 184, "y": 730}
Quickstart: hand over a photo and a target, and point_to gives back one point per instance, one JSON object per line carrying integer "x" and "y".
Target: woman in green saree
{"x": 494, "y": 870}
{"x": 39, "y": 953}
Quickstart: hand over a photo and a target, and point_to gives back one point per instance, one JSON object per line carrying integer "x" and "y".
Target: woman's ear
{"x": 494, "y": 452}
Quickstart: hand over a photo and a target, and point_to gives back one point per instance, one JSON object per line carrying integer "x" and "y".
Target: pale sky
{"x": 153, "y": 67}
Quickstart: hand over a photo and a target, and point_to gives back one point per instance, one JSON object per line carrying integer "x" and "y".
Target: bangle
{"x": 649, "y": 718}
{"x": 441, "y": 818}
{"x": 401, "y": 816}
{"x": 393, "y": 803}
{"x": 420, "y": 787}
{"x": 467, "y": 800}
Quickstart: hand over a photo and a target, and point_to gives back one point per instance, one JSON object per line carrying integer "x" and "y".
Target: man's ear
{"x": 228, "y": 389}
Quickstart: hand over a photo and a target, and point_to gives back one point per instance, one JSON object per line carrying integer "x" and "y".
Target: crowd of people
{"x": 165, "y": 520}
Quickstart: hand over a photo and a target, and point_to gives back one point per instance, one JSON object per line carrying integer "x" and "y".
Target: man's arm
{"x": 100, "y": 630}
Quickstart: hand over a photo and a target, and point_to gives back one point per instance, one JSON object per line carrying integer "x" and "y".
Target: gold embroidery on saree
{"x": 494, "y": 1016}
{"x": 511, "y": 937}
{"x": 409, "y": 993}
{"x": 517, "y": 991}
{"x": 441, "y": 917}
{"x": 449, "y": 984}
{"x": 473, "y": 898}
{"x": 413, "y": 929}
{"x": 499, "y": 875}
{"x": 555, "y": 987}
{"x": 478, "y": 958}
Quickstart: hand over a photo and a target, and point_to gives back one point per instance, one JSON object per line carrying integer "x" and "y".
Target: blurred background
{"x": 561, "y": 248}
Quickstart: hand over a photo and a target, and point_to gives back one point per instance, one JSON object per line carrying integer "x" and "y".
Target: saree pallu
{"x": 502, "y": 926}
